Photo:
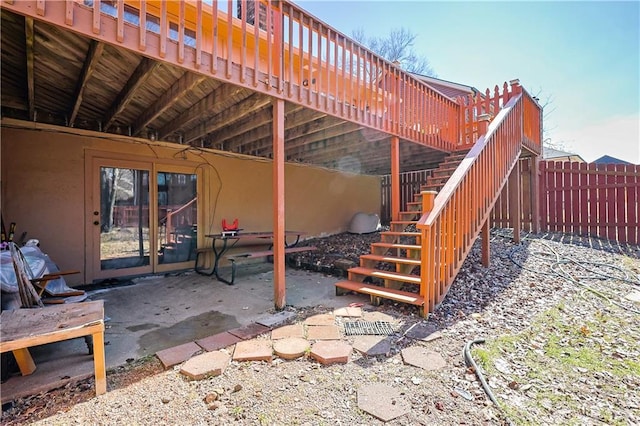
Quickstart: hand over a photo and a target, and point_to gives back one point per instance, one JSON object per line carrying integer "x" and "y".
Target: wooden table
{"x": 21, "y": 329}
{"x": 228, "y": 241}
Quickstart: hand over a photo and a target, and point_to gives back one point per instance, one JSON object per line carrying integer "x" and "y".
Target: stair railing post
{"x": 427, "y": 267}
{"x": 483, "y": 123}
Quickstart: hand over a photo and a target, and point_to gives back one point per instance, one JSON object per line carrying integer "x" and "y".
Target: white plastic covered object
{"x": 364, "y": 223}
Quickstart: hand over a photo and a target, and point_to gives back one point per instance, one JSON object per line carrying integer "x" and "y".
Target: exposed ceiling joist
{"x": 263, "y": 138}
{"x": 143, "y": 71}
{"x": 241, "y": 127}
{"x": 220, "y": 98}
{"x": 30, "y": 39}
{"x": 91, "y": 61}
{"x": 180, "y": 88}
{"x": 263, "y": 145}
{"x": 228, "y": 116}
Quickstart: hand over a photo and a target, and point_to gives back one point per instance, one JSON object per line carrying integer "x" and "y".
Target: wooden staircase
{"x": 392, "y": 269}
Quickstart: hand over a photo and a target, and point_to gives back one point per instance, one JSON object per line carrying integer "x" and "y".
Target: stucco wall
{"x": 43, "y": 189}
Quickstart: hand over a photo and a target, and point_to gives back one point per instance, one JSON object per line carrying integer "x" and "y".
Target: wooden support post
{"x": 279, "y": 286}
{"x": 535, "y": 194}
{"x": 395, "y": 178}
{"x": 514, "y": 201}
{"x": 486, "y": 253}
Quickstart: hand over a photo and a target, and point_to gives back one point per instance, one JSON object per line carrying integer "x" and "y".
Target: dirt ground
{"x": 558, "y": 316}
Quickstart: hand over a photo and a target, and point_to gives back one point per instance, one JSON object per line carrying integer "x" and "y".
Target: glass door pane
{"x": 124, "y": 218}
{"x": 177, "y": 217}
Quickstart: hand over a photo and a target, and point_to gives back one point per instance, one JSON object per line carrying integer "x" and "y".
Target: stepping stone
{"x": 277, "y": 319}
{"x": 423, "y": 331}
{"x": 323, "y": 332}
{"x": 372, "y": 345}
{"x": 218, "y": 341}
{"x": 288, "y": 331}
{"x": 421, "y": 357}
{"x": 173, "y": 356}
{"x": 291, "y": 348}
{"x": 249, "y": 331}
{"x": 374, "y": 316}
{"x": 253, "y": 350}
{"x": 208, "y": 364}
{"x": 634, "y": 296}
{"x": 331, "y": 352}
{"x": 348, "y": 311}
{"x": 382, "y": 401}
{"x": 321, "y": 319}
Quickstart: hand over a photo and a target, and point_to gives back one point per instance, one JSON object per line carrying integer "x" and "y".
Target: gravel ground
{"x": 562, "y": 345}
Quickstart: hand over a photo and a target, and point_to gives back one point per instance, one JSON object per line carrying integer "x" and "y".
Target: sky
{"x": 582, "y": 56}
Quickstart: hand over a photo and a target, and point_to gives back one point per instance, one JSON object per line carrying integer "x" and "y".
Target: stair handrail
{"x": 451, "y": 224}
{"x": 171, "y": 213}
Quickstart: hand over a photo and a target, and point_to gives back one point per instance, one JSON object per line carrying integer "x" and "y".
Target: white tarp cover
{"x": 39, "y": 263}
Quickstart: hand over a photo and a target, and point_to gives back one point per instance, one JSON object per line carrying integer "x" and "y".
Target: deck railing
{"x": 292, "y": 55}
{"x": 453, "y": 220}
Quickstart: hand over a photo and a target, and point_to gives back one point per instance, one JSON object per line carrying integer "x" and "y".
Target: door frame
{"x": 96, "y": 159}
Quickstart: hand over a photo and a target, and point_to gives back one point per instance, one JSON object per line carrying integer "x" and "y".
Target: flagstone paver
{"x": 422, "y": 357}
{"x": 382, "y": 401}
{"x": 378, "y": 316}
{"x": 348, "y": 311}
{"x": 291, "y": 348}
{"x": 206, "y": 365}
{"x": 288, "y": 331}
{"x": 276, "y": 319}
{"x": 177, "y": 354}
{"x": 249, "y": 331}
{"x": 372, "y": 345}
{"x": 253, "y": 350}
{"x": 331, "y": 352}
{"x": 323, "y": 332}
{"x": 321, "y": 319}
{"x": 218, "y": 341}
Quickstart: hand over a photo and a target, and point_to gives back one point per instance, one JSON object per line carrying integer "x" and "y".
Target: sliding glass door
{"x": 144, "y": 218}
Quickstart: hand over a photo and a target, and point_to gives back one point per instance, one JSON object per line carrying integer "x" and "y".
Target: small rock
{"x": 166, "y": 400}
{"x": 214, "y": 405}
{"x": 237, "y": 388}
{"x": 416, "y": 380}
{"x": 210, "y": 398}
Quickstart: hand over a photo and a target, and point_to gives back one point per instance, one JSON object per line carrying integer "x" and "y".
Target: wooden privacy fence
{"x": 584, "y": 199}
{"x": 598, "y": 200}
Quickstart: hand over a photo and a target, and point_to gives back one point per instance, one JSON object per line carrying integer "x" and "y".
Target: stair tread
{"x": 401, "y": 233}
{"x": 388, "y": 275}
{"x": 400, "y": 246}
{"x": 391, "y": 259}
{"x": 387, "y": 293}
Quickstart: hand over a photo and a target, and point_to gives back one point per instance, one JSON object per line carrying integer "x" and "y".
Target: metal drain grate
{"x": 358, "y": 328}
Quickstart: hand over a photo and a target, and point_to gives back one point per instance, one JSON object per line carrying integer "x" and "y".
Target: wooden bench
{"x": 257, "y": 254}
{"x": 24, "y": 328}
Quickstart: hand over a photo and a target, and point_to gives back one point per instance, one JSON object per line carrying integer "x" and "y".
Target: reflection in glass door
{"x": 177, "y": 217}
{"x": 124, "y": 218}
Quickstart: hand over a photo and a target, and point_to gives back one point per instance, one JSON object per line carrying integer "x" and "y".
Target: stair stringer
{"x": 465, "y": 202}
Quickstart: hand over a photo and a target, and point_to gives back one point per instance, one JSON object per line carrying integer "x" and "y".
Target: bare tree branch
{"x": 398, "y": 46}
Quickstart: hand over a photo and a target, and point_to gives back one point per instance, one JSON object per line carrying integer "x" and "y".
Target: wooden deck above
{"x": 88, "y": 65}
